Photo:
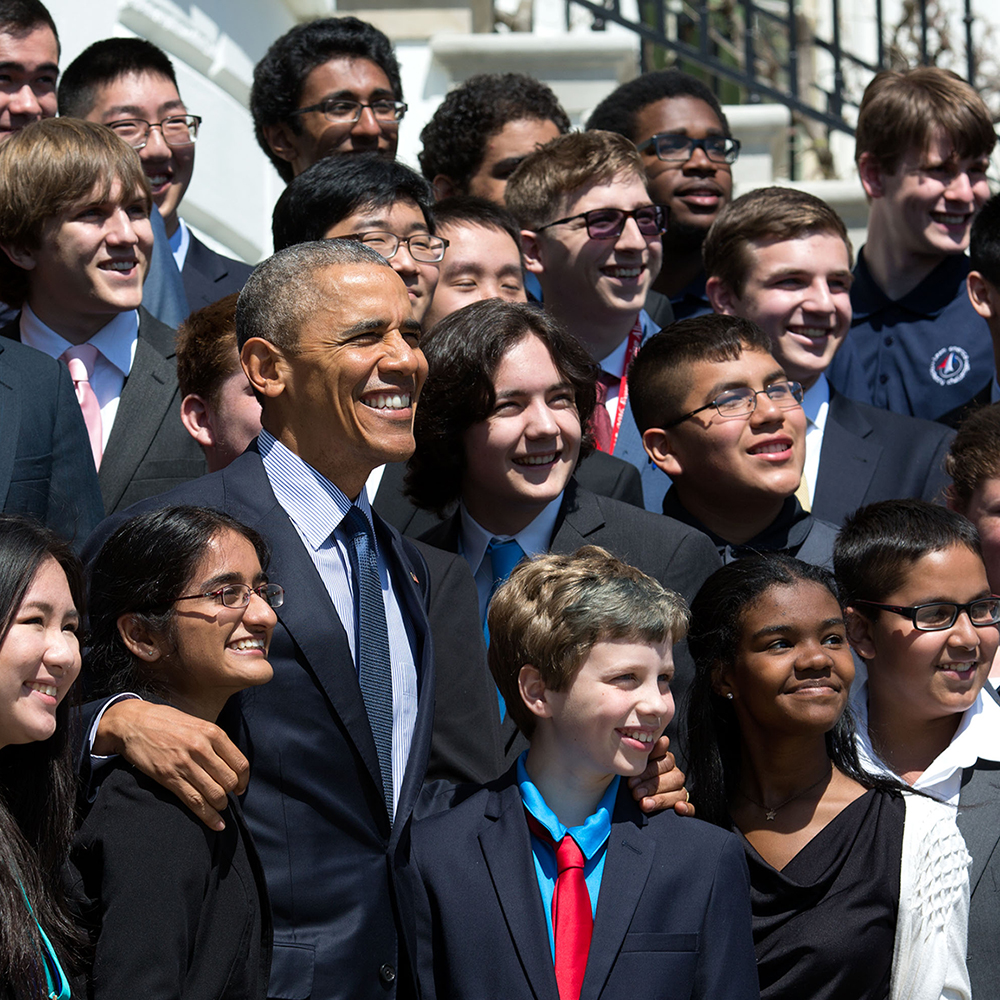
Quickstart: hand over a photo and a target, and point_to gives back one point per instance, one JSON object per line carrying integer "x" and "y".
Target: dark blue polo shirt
{"x": 691, "y": 300}
{"x": 925, "y": 355}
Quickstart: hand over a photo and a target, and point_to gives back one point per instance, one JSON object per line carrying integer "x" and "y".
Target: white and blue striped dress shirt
{"x": 316, "y": 507}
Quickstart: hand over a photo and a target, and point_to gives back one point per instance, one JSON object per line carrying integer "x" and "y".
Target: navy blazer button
{"x": 387, "y": 973}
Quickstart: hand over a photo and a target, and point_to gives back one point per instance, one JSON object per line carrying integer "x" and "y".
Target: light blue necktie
{"x": 371, "y": 641}
{"x": 504, "y": 556}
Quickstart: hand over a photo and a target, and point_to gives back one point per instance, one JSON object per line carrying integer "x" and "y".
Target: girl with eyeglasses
{"x": 858, "y": 891}
{"x": 41, "y": 601}
{"x": 181, "y": 611}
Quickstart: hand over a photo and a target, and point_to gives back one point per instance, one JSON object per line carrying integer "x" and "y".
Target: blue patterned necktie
{"x": 504, "y": 556}
{"x": 371, "y": 641}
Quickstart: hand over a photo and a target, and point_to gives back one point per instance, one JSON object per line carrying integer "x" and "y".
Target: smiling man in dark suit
{"x": 76, "y": 240}
{"x": 782, "y": 259}
{"x": 500, "y": 428}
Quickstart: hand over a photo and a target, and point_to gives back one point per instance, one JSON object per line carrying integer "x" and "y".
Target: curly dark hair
{"x": 463, "y": 353}
{"x": 718, "y": 613}
{"x": 618, "y": 111}
{"x": 278, "y": 78}
{"x": 454, "y": 140}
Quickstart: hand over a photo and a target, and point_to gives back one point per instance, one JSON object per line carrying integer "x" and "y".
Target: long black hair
{"x": 37, "y": 790}
{"x": 141, "y": 570}
{"x": 718, "y": 614}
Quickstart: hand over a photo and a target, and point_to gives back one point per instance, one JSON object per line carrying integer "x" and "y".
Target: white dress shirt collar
{"x": 534, "y": 538}
{"x": 116, "y": 340}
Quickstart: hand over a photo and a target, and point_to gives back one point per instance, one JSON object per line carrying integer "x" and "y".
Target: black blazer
{"x": 673, "y": 911}
{"x": 174, "y": 909}
{"x": 46, "y": 465}
{"x": 149, "y": 449}
{"x": 209, "y": 276}
{"x": 680, "y": 557}
{"x": 315, "y": 804}
{"x": 870, "y": 454}
{"x": 598, "y": 472}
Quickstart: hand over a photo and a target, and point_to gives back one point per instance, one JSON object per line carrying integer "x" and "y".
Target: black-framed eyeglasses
{"x": 608, "y": 223}
{"x": 674, "y": 146}
{"x": 421, "y": 246}
{"x": 741, "y": 402}
{"x": 177, "y": 130}
{"x": 943, "y": 614}
{"x": 335, "y": 109}
{"x": 237, "y": 595}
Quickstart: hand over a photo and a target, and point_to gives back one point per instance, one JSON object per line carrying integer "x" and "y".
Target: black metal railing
{"x": 754, "y": 48}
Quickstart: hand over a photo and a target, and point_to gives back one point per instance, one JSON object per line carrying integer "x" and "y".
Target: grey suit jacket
{"x": 209, "y": 276}
{"x": 870, "y": 454}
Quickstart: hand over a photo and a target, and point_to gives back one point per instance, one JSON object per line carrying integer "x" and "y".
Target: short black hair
{"x": 620, "y": 109}
{"x": 20, "y": 17}
{"x": 463, "y": 353}
{"x": 984, "y": 243}
{"x": 104, "y": 62}
{"x": 657, "y": 378}
{"x": 279, "y": 77}
{"x": 454, "y": 140}
{"x": 339, "y": 186}
{"x": 466, "y": 209}
{"x": 879, "y": 543}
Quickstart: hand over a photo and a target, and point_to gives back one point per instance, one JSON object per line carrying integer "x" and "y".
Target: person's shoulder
{"x": 28, "y": 361}
{"x": 666, "y": 826}
{"x": 444, "y": 806}
{"x": 889, "y": 422}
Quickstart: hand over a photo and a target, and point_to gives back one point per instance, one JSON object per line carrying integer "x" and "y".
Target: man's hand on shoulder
{"x": 661, "y": 785}
{"x": 192, "y": 758}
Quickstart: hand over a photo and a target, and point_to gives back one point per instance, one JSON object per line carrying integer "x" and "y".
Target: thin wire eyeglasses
{"x": 943, "y": 614}
{"x": 177, "y": 130}
{"x": 237, "y": 595}
{"x": 334, "y": 109}
{"x": 421, "y": 246}
{"x": 608, "y": 223}
{"x": 671, "y": 146}
{"x": 741, "y": 402}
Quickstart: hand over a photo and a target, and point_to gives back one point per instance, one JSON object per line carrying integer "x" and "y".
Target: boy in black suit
{"x": 581, "y": 649}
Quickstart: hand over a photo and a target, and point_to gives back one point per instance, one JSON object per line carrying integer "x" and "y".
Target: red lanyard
{"x": 634, "y": 339}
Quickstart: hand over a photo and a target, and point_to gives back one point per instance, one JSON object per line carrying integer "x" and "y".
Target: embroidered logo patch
{"x": 950, "y": 365}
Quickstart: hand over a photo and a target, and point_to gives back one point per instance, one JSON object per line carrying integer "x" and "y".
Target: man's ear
{"x": 659, "y": 447}
{"x": 19, "y": 256}
{"x": 872, "y": 175}
{"x": 196, "y": 416}
{"x": 722, "y": 297}
{"x": 265, "y": 366}
{"x": 444, "y": 187}
{"x": 534, "y": 692}
{"x": 532, "y": 249}
{"x": 138, "y": 639}
{"x": 982, "y": 295}
{"x": 859, "y": 633}
{"x": 279, "y": 137}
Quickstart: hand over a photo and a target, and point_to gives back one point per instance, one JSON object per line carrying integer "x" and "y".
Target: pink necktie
{"x": 81, "y": 361}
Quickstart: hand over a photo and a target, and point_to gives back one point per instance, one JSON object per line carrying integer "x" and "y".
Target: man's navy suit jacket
{"x": 315, "y": 804}
{"x": 870, "y": 454}
{"x": 46, "y": 464}
{"x": 209, "y": 276}
{"x": 673, "y": 913}
{"x": 149, "y": 449}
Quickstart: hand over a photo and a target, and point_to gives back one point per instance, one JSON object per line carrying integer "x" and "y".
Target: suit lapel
{"x": 626, "y": 869}
{"x": 506, "y": 848}
{"x": 579, "y": 516}
{"x": 848, "y": 458}
{"x": 979, "y": 815}
{"x": 142, "y": 407}
{"x": 10, "y": 421}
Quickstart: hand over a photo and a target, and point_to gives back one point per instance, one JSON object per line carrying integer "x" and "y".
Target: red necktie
{"x": 600, "y": 421}
{"x": 572, "y": 916}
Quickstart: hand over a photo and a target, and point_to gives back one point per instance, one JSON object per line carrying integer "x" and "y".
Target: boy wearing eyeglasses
{"x": 687, "y": 150}
{"x": 782, "y": 259}
{"x": 129, "y": 85}
{"x": 920, "y": 614}
{"x": 719, "y": 415}
{"x": 591, "y": 236}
